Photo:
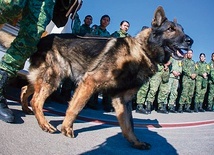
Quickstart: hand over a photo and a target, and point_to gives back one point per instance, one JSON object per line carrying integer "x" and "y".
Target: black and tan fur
{"x": 117, "y": 66}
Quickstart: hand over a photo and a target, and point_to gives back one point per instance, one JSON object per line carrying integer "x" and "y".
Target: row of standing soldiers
{"x": 179, "y": 86}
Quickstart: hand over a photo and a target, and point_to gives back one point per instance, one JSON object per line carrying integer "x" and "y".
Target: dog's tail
{"x": 6, "y": 39}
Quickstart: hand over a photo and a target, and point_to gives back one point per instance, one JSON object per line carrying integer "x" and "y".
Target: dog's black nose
{"x": 189, "y": 40}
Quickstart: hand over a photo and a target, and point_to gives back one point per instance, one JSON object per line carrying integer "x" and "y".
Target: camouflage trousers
{"x": 142, "y": 93}
{"x": 211, "y": 95}
{"x": 188, "y": 87}
{"x": 36, "y": 15}
{"x": 199, "y": 91}
{"x": 173, "y": 90}
{"x": 155, "y": 84}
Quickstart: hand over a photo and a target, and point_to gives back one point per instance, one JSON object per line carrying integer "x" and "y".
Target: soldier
{"x": 175, "y": 72}
{"x": 83, "y": 29}
{"x": 123, "y": 32}
{"x": 141, "y": 98}
{"x": 188, "y": 83}
{"x": 202, "y": 70}
{"x": 210, "y": 106}
{"x": 36, "y": 15}
{"x": 157, "y": 81}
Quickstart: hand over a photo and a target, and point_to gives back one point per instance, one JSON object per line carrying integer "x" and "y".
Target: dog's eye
{"x": 170, "y": 29}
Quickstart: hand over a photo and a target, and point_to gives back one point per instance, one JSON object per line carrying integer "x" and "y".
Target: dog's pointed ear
{"x": 175, "y": 21}
{"x": 159, "y": 17}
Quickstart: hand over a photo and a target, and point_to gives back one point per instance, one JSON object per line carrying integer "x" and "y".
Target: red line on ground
{"x": 138, "y": 125}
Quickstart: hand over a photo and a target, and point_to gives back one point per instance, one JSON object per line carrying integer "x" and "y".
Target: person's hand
{"x": 204, "y": 75}
{"x": 193, "y": 76}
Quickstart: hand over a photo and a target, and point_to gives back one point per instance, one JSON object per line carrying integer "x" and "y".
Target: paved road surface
{"x": 98, "y": 133}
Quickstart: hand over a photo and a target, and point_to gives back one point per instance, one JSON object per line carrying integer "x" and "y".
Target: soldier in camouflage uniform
{"x": 210, "y": 106}
{"x": 84, "y": 28}
{"x": 175, "y": 72}
{"x": 36, "y": 15}
{"x": 157, "y": 81}
{"x": 141, "y": 98}
{"x": 202, "y": 70}
{"x": 188, "y": 83}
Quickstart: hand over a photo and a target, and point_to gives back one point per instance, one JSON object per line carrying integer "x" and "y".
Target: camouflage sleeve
{"x": 211, "y": 73}
{"x": 76, "y": 25}
{"x": 186, "y": 70}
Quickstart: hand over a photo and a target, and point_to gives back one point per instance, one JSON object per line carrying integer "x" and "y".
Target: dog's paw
{"x": 142, "y": 146}
{"x": 47, "y": 127}
{"x": 67, "y": 131}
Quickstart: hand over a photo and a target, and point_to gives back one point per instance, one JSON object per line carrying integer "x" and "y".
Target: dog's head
{"x": 167, "y": 38}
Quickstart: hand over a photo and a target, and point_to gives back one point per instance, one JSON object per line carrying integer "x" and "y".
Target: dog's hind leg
{"x": 123, "y": 110}
{"x": 42, "y": 91}
{"x": 81, "y": 95}
{"x": 26, "y": 91}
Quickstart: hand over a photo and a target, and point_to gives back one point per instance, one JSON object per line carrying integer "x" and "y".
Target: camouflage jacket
{"x": 176, "y": 65}
{"x": 119, "y": 34}
{"x": 80, "y": 30}
{"x": 211, "y": 75}
{"x": 201, "y": 68}
{"x": 188, "y": 67}
{"x": 97, "y": 31}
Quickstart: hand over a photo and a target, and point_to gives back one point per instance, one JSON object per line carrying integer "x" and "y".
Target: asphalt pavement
{"x": 97, "y": 132}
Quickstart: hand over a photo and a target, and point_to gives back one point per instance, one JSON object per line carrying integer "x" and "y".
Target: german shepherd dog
{"x": 117, "y": 66}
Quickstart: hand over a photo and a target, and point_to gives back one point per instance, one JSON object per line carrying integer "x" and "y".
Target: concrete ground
{"x": 97, "y": 132}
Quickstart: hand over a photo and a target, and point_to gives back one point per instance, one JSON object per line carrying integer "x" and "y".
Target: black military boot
{"x": 5, "y": 113}
{"x": 180, "y": 109}
{"x": 200, "y": 109}
{"x": 148, "y": 107}
{"x": 196, "y": 107}
{"x": 187, "y": 108}
{"x": 162, "y": 108}
{"x": 209, "y": 108}
{"x": 140, "y": 109}
{"x": 172, "y": 108}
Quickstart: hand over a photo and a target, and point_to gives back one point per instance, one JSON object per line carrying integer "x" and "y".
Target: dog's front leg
{"x": 82, "y": 94}
{"x": 122, "y": 105}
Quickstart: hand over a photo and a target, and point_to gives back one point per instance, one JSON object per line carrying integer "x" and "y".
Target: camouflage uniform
{"x": 36, "y": 15}
{"x": 119, "y": 34}
{"x": 141, "y": 98}
{"x": 188, "y": 84}
{"x": 174, "y": 83}
{"x": 97, "y": 31}
{"x": 157, "y": 81}
{"x": 211, "y": 88}
{"x": 80, "y": 30}
{"x": 201, "y": 84}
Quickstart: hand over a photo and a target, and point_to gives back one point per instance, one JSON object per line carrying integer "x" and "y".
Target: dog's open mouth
{"x": 176, "y": 52}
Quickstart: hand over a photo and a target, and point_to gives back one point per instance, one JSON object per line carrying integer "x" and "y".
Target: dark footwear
{"x": 162, "y": 109}
{"x": 196, "y": 107}
{"x": 180, "y": 110}
{"x": 187, "y": 108}
{"x": 201, "y": 110}
{"x": 148, "y": 107}
{"x": 172, "y": 108}
{"x": 6, "y": 114}
{"x": 209, "y": 109}
{"x": 141, "y": 110}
